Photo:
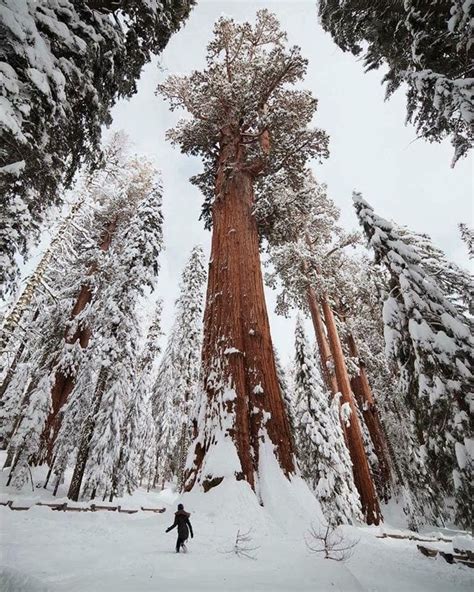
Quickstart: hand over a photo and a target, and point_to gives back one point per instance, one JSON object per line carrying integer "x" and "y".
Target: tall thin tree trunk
{"x": 237, "y": 349}
{"x": 84, "y": 445}
{"x": 13, "y": 366}
{"x": 322, "y": 340}
{"x": 64, "y": 382}
{"x": 182, "y": 449}
{"x": 363, "y": 393}
{"x": 362, "y": 475}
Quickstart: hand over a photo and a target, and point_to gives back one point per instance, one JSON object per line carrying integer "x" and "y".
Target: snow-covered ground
{"x": 104, "y": 551}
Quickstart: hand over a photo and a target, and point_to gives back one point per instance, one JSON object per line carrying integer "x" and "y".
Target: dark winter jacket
{"x": 181, "y": 520}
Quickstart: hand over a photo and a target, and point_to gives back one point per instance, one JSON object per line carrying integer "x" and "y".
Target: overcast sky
{"x": 371, "y": 150}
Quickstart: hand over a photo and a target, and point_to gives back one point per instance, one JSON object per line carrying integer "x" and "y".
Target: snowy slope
{"x": 41, "y": 549}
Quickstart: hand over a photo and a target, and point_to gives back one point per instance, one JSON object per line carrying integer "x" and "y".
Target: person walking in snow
{"x": 181, "y": 520}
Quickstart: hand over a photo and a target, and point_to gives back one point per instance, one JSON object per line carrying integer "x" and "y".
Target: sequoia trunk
{"x": 362, "y": 475}
{"x": 237, "y": 349}
{"x": 365, "y": 399}
{"x": 322, "y": 340}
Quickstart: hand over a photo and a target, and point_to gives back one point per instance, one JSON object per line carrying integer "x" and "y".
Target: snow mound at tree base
{"x": 278, "y": 504}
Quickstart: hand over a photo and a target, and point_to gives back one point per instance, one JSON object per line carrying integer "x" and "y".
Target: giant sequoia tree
{"x": 246, "y": 123}
{"x": 63, "y": 65}
{"x": 427, "y": 46}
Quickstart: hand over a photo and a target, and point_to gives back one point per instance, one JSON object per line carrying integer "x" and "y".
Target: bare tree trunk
{"x": 322, "y": 340}
{"x": 362, "y": 475}
{"x": 363, "y": 393}
{"x": 48, "y": 476}
{"x": 237, "y": 346}
{"x": 84, "y": 446}
{"x": 64, "y": 382}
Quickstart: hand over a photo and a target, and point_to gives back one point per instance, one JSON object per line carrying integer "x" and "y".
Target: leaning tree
{"x": 247, "y": 123}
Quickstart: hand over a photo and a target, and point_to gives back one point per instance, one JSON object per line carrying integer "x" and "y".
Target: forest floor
{"x": 44, "y": 550}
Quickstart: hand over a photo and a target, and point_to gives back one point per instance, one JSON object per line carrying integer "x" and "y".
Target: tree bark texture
{"x": 365, "y": 399}
{"x": 360, "y": 466}
{"x": 237, "y": 343}
{"x": 322, "y": 340}
{"x": 64, "y": 381}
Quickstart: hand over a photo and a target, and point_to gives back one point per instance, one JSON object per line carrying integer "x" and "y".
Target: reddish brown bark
{"x": 323, "y": 344}
{"x": 236, "y": 320}
{"x": 362, "y": 475}
{"x": 64, "y": 382}
{"x": 365, "y": 399}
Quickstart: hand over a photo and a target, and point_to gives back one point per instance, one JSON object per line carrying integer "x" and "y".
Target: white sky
{"x": 371, "y": 149}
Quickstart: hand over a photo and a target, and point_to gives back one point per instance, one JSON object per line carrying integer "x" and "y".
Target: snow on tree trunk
{"x": 64, "y": 381}
{"x": 237, "y": 126}
{"x": 370, "y": 412}
{"x": 322, "y": 453}
{"x": 86, "y": 438}
{"x": 362, "y": 475}
{"x": 239, "y": 374}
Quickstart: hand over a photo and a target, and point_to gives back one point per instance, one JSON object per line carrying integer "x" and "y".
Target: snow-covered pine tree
{"x": 129, "y": 267}
{"x": 287, "y": 394}
{"x": 467, "y": 235}
{"x": 106, "y": 191}
{"x": 85, "y": 269}
{"x": 64, "y": 65}
{"x": 175, "y": 390}
{"x": 322, "y": 454}
{"x": 427, "y": 46}
{"x": 26, "y": 400}
{"x": 246, "y": 123}
{"x": 455, "y": 282}
{"x": 431, "y": 345}
{"x": 138, "y": 436}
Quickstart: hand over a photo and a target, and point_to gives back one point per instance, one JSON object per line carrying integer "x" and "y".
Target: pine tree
{"x": 128, "y": 196}
{"x": 431, "y": 344}
{"x": 426, "y": 46}
{"x": 246, "y": 123}
{"x": 65, "y": 65}
{"x": 323, "y": 457}
{"x": 138, "y": 432}
{"x": 130, "y": 266}
{"x": 174, "y": 394}
{"x": 467, "y": 235}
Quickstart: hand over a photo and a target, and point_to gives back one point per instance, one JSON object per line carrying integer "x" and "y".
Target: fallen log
{"x": 125, "y": 511}
{"x": 412, "y": 537}
{"x": 450, "y": 558}
{"x": 156, "y": 510}
{"x": 64, "y": 507}
{"x": 95, "y": 508}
